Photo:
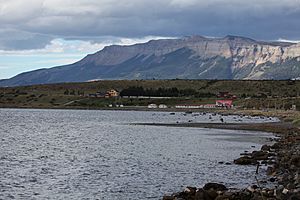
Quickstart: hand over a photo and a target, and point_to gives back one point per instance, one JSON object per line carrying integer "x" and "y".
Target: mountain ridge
{"x": 192, "y": 57}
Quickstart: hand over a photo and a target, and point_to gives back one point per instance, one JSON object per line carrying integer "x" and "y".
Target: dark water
{"x": 67, "y": 154}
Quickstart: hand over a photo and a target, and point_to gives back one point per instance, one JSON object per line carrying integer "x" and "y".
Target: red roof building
{"x": 224, "y": 103}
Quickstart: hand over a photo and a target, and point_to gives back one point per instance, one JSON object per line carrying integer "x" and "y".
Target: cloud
{"x": 11, "y": 39}
{"x": 285, "y": 40}
{"x": 45, "y": 33}
{"x": 61, "y": 47}
{"x": 37, "y": 22}
{"x": 58, "y": 52}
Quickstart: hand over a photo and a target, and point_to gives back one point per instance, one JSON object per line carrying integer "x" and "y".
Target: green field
{"x": 250, "y": 94}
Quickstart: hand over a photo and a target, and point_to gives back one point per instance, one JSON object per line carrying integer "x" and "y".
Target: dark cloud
{"x": 20, "y": 40}
{"x": 109, "y": 19}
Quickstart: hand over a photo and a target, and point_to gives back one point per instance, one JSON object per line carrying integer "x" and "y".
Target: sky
{"x": 45, "y": 33}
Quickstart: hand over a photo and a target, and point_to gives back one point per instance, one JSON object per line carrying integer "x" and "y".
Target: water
{"x": 75, "y": 154}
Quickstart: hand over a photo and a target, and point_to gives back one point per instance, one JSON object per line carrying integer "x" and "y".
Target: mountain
{"x": 194, "y": 57}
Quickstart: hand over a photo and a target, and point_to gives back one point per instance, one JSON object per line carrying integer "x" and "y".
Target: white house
{"x": 152, "y": 105}
{"x": 162, "y": 106}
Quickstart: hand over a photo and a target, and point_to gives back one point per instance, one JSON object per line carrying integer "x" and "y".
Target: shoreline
{"x": 283, "y": 115}
{"x": 282, "y": 160}
{"x": 273, "y": 127}
{"x": 263, "y": 126}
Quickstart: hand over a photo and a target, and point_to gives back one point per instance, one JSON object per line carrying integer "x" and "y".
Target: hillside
{"x": 250, "y": 94}
{"x": 193, "y": 57}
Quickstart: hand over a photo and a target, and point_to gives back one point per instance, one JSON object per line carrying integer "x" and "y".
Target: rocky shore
{"x": 282, "y": 160}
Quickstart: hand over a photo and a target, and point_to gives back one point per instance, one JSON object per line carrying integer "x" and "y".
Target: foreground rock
{"x": 283, "y": 161}
{"x": 209, "y": 191}
{"x": 251, "y": 193}
{"x": 253, "y": 158}
{"x": 221, "y": 193}
{"x": 245, "y": 160}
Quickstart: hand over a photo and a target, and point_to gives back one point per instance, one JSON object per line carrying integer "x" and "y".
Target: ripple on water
{"x": 65, "y": 154}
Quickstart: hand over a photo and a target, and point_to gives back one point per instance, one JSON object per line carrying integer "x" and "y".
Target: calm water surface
{"x": 74, "y": 154}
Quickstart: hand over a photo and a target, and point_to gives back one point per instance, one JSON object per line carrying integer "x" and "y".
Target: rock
{"x": 252, "y": 188}
{"x": 169, "y": 198}
{"x": 245, "y": 160}
{"x": 245, "y": 154}
{"x": 270, "y": 170}
{"x": 264, "y": 162}
{"x": 270, "y": 193}
{"x": 272, "y": 179}
{"x": 294, "y": 197}
{"x": 290, "y": 186}
{"x": 265, "y": 148}
{"x": 271, "y": 154}
{"x": 276, "y": 146}
{"x": 257, "y": 196}
{"x": 188, "y": 193}
{"x": 215, "y": 186}
{"x": 260, "y": 155}
{"x": 200, "y": 195}
{"x": 211, "y": 193}
{"x": 270, "y": 162}
{"x": 285, "y": 191}
{"x": 295, "y": 160}
{"x": 225, "y": 196}
{"x": 190, "y": 190}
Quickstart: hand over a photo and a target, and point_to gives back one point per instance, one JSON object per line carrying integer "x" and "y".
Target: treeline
{"x": 73, "y": 92}
{"x": 163, "y": 92}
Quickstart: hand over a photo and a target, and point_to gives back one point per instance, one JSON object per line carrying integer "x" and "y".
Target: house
{"x": 189, "y": 106}
{"x": 209, "y": 106}
{"x": 162, "y": 106}
{"x": 107, "y": 94}
{"x": 111, "y": 93}
{"x": 224, "y": 103}
{"x": 196, "y": 106}
{"x": 152, "y": 105}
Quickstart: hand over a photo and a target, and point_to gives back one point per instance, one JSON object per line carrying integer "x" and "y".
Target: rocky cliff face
{"x": 193, "y": 57}
{"x": 250, "y": 51}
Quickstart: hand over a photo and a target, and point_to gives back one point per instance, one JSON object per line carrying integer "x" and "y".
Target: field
{"x": 259, "y": 95}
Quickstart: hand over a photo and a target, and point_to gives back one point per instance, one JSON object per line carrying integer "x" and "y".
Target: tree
{"x": 66, "y": 92}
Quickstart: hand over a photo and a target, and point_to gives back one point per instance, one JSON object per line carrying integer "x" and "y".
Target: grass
{"x": 251, "y": 94}
{"x": 248, "y": 88}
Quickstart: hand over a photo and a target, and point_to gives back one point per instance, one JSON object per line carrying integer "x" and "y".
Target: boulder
{"x": 211, "y": 194}
{"x": 200, "y": 194}
{"x": 265, "y": 148}
{"x": 190, "y": 190}
{"x": 188, "y": 193}
{"x": 245, "y": 160}
{"x": 295, "y": 160}
{"x": 169, "y": 198}
{"x": 260, "y": 155}
{"x": 215, "y": 186}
